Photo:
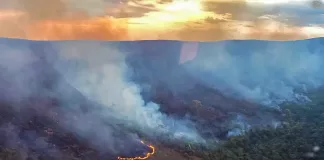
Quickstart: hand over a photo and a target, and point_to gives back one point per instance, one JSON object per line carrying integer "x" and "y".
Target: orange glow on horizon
{"x": 15, "y": 24}
{"x": 103, "y": 28}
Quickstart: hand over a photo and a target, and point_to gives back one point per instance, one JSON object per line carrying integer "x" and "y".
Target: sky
{"x": 188, "y": 20}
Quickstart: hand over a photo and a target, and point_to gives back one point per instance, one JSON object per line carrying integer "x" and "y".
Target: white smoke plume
{"x": 261, "y": 71}
{"x": 104, "y": 80}
{"x": 97, "y": 70}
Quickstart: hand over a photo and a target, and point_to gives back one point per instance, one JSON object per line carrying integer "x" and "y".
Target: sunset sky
{"x": 196, "y": 20}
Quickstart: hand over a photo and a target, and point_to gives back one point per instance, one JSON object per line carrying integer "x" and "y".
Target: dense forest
{"x": 299, "y": 137}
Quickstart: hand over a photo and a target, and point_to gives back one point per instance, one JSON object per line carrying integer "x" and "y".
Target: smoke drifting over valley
{"x": 112, "y": 111}
{"x": 264, "y": 72}
{"x": 103, "y": 78}
{"x": 111, "y": 95}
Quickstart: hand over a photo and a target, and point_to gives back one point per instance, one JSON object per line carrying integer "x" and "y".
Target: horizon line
{"x": 143, "y": 40}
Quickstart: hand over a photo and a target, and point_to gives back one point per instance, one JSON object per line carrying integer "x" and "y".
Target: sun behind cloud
{"x": 174, "y": 12}
{"x": 182, "y": 5}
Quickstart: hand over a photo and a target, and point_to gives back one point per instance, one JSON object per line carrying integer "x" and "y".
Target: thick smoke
{"x": 116, "y": 111}
{"x": 13, "y": 73}
{"x": 266, "y": 72}
{"x": 104, "y": 80}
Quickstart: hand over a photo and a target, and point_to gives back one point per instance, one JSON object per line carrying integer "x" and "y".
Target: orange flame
{"x": 139, "y": 158}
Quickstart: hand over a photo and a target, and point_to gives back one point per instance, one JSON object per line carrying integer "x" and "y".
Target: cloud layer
{"x": 143, "y": 19}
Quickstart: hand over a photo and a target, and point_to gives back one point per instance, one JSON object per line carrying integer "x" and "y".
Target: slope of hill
{"x": 97, "y": 100}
